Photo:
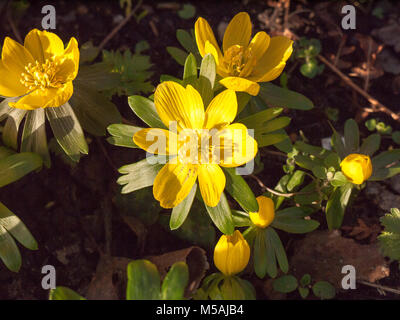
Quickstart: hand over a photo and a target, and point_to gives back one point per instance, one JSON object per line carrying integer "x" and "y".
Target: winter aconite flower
{"x": 356, "y": 167}
{"x": 213, "y": 142}
{"x": 244, "y": 62}
{"x": 38, "y": 74}
{"x": 266, "y": 213}
{"x": 231, "y": 253}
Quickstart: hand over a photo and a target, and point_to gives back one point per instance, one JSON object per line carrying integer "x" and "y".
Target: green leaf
{"x": 351, "y": 136}
{"x": 296, "y": 179}
{"x": 16, "y": 166}
{"x": 339, "y": 179}
{"x": 336, "y": 206}
{"x": 285, "y": 284}
{"x": 67, "y": 131}
{"x": 338, "y": 144}
{"x": 9, "y": 252}
{"x": 145, "y": 109}
{"x": 97, "y": 76}
{"x": 180, "y": 212}
{"x": 190, "y": 71}
{"x": 10, "y": 131}
{"x": 396, "y": 137}
{"x": 268, "y": 139}
{"x": 320, "y": 172}
{"x": 221, "y": 215}
{"x": 280, "y": 252}
{"x": 175, "y": 281}
{"x": 371, "y": 144}
{"x": 261, "y": 255}
{"x": 237, "y": 187}
{"x": 186, "y": 40}
{"x": 324, "y": 290}
{"x": 273, "y": 125}
{"x": 139, "y": 175}
{"x": 93, "y": 109}
{"x": 391, "y": 221}
{"x": 311, "y": 196}
{"x": 88, "y": 52}
{"x": 313, "y": 150}
{"x": 258, "y": 119}
{"x": 304, "y": 292}
{"x": 143, "y": 281}
{"x": 332, "y": 160}
{"x": 293, "y": 224}
{"x": 178, "y": 54}
{"x": 64, "y": 293}
{"x": 187, "y": 12}
{"x": 206, "y": 81}
{"x": 279, "y": 97}
{"x": 385, "y": 165}
{"x": 16, "y": 228}
{"x": 122, "y": 135}
{"x": 305, "y": 280}
{"x": 241, "y": 219}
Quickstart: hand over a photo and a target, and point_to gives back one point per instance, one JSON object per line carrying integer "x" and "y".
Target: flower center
{"x": 41, "y": 75}
{"x": 239, "y": 61}
{"x": 196, "y": 147}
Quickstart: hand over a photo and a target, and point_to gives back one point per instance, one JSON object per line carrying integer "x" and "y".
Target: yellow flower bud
{"x": 356, "y": 167}
{"x": 231, "y": 253}
{"x": 266, "y": 212}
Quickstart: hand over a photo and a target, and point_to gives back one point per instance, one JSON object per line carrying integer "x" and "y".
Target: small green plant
{"x": 143, "y": 283}
{"x": 389, "y": 239}
{"x": 288, "y": 283}
{"x": 308, "y": 50}
{"x": 383, "y": 129}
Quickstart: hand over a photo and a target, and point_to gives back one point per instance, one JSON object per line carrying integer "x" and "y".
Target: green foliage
{"x": 188, "y": 11}
{"x": 188, "y": 42}
{"x": 307, "y": 51}
{"x": 14, "y": 166}
{"x": 383, "y": 129}
{"x": 143, "y": 283}
{"x": 288, "y": 283}
{"x": 219, "y": 287}
{"x": 389, "y": 239}
{"x": 133, "y": 69}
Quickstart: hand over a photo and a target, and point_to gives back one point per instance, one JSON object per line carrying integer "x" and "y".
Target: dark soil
{"x": 65, "y": 208}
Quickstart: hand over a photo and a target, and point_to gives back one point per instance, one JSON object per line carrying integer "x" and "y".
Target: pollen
{"x": 41, "y": 75}
{"x": 239, "y": 61}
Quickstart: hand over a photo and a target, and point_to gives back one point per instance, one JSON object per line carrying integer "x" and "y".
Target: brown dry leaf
{"x": 109, "y": 281}
{"x": 322, "y": 254}
{"x": 196, "y": 259}
{"x": 362, "y": 231}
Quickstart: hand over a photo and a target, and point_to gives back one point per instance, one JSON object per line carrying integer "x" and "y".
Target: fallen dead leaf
{"x": 362, "y": 231}
{"x": 322, "y": 254}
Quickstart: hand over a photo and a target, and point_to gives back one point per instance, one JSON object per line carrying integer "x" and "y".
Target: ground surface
{"x": 65, "y": 208}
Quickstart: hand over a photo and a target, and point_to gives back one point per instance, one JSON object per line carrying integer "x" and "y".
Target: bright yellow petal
{"x": 209, "y": 48}
{"x": 212, "y": 182}
{"x": 173, "y": 183}
{"x": 221, "y": 252}
{"x": 241, "y": 85}
{"x": 222, "y": 110}
{"x": 238, "y": 31}
{"x": 15, "y": 57}
{"x": 234, "y": 146}
{"x": 271, "y": 64}
{"x": 259, "y": 44}
{"x": 51, "y": 97}
{"x": 175, "y": 103}
{"x": 69, "y": 67}
{"x": 204, "y": 33}
{"x": 43, "y": 45}
{"x": 10, "y": 84}
{"x": 157, "y": 141}
{"x": 266, "y": 213}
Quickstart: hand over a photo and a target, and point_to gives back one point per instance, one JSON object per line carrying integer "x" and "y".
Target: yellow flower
{"x": 356, "y": 167}
{"x": 40, "y": 72}
{"x": 243, "y": 63}
{"x": 231, "y": 254}
{"x": 266, "y": 212}
{"x": 184, "y": 106}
